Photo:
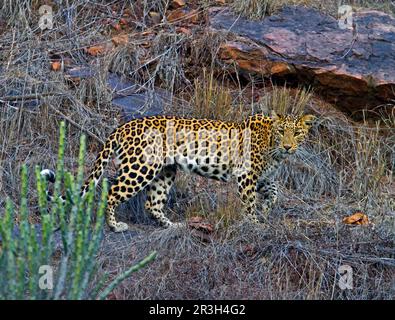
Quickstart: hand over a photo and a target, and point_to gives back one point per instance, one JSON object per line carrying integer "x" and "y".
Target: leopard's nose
{"x": 287, "y": 147}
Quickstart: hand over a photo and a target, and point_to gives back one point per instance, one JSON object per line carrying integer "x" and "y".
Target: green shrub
{"x": 23, "y": 253}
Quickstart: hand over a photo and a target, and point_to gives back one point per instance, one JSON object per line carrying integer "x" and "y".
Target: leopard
{"x": 150, "y": 150}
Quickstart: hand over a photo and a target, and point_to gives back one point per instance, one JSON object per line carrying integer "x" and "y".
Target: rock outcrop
{"x": 352, "y": 67}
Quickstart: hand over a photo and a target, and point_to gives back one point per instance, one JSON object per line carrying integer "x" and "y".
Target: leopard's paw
{"x": 120, "y": 227}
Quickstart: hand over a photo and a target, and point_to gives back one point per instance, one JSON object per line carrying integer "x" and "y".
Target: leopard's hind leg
{"x": 157, "y": 194}
{"x": 131, "y": 180}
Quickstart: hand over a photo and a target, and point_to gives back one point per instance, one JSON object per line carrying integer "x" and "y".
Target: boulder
{"x": 352, "y": 67}
{"x": 134, "y": 102}
{"x": 128, "y": 96}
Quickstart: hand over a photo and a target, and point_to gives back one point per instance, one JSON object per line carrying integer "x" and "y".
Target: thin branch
{"x": 76, "y": 124}
{"x": 30, "y": 96}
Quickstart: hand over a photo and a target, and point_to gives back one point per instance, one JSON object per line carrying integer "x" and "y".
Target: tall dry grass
{"x": 258, "y": 9}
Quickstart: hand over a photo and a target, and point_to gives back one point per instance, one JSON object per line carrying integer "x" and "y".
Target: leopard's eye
{"x": 280, "y": 131}
{"x": 298, "y": 132}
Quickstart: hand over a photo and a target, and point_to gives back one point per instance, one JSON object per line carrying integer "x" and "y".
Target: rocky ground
{"x": 104, "y": 63}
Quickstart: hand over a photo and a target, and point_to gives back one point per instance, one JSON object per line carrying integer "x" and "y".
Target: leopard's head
{"x": 290, "y": 131}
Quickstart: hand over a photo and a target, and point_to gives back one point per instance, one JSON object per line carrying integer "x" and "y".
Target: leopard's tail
{"x": 49, "y": 175}
{"x": 109, "y": 148}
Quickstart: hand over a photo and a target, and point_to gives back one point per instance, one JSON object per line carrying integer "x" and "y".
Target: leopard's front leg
{"x": 267, "y": 191}
{"x": 247, "y": 186}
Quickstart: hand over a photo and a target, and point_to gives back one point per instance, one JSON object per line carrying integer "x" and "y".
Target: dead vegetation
{"x": 297, "y": 252}
{"x": 258, "y": 9}
{"x": 345, "y": 166}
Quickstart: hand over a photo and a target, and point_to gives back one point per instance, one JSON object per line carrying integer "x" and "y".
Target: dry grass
{"x": 212, "y": 100}
{"x": 285, "y": 101}
{"x": 343, "y": 167}
{"x": 258, "y": 9}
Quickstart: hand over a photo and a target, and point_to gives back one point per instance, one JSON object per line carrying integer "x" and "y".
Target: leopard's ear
{"x": 307, "y": 120}
{"x": 274, "y": 116}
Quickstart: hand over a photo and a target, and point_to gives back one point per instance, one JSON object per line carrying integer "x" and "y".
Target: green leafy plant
{"x": 25, "y": 252}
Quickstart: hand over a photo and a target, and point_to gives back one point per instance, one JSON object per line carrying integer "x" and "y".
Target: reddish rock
{"x": 354, "y": 68}
{"x": 184, "y": 15}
